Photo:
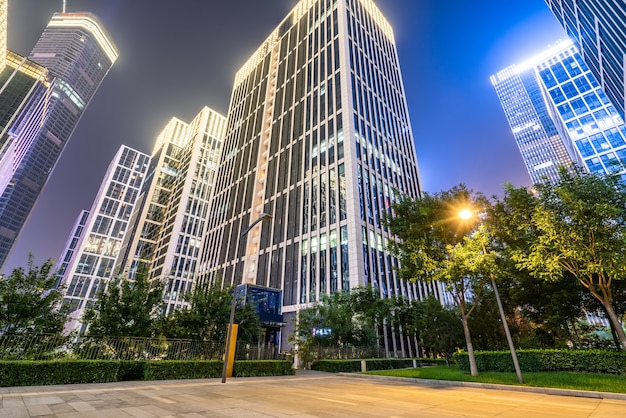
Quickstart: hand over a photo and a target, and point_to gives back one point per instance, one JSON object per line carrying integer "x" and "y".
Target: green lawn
{"x": 562, "y": 380}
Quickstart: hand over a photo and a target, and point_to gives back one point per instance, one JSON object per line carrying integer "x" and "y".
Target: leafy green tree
{"x": 30, "y": 302}
{"x": 435, "y": 245}
{"x": 208, "y": 316}
{"x": 126, "y": 308}
{"x": 440, "y": 328}
{"x": 577, "y": 226}
{"x": 352, "y": 318}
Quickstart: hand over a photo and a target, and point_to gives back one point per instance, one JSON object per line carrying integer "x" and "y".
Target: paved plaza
{"x": 307, "y": 394}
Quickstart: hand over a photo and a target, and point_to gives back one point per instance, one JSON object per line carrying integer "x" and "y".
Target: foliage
{"x": 562, "y": 380}
{"x": 208, "y": 317}
{"x": 128, "y": 309}
{"x": 173, "y": 369}
{"x": 575, "y": 226}
{"x": 350, "y": 366}
{"x": 33, "y": 346}
{"x": 29, "y": 373}
{"x": 435, "y": 244}
{"x": 351, "y": 318}
{"x": 590, "y": 361}
{"x": 29, "y": 301}
{"x": 131, "y": 370}
{"x": 439, "y": 328}
{"x": 248, "y": 368}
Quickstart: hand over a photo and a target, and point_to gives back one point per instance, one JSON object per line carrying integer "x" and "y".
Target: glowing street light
{"x": 230, "y": 335}
{"x": 466, "y": 214}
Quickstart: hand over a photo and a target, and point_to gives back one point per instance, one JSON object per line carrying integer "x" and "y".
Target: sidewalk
{"x": 306, "y": 395}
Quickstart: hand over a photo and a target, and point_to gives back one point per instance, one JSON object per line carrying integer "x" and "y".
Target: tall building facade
{"x": 559, "y": 115}
{"x": 170, "y": 224}
{"x": 78, "y": 53}
{"x": 319, "y": 137}
{"x": 598, "y": 27}
{"x": 88, "y": 261}
{"x": 22, "y": 81}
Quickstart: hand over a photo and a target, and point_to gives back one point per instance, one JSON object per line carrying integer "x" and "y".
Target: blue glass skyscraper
{"x": 559, "y": 115}
{"x": 598, "y": 28}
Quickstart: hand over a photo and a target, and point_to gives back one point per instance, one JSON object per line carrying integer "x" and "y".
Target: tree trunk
{"x": 618, "y": 347}
{"x": 470, "y": 346}
{"x": 615, "y": 321}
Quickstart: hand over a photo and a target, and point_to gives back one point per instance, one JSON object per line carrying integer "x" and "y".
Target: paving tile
{"x": 14, "y": 412}
{"x": 81, "y": 406}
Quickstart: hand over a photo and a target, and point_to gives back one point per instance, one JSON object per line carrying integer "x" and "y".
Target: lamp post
{"x": 262, "y": 217}
{"x": 467, "y": 214}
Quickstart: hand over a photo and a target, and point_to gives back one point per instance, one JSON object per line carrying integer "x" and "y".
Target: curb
{"x": 492, "y": 386}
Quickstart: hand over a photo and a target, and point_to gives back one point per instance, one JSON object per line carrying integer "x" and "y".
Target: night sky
{"x": 179, "y": 55}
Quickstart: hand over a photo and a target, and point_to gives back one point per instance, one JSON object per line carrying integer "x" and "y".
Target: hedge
{"x": 349, "y": 366}
{"x": 57, "y": 372}
{"x": 248, "y": 368}
{"x": 177, "y": 369}
{"x": 591, "y": 361}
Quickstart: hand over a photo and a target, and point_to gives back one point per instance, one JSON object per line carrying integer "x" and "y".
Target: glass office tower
{"x": 598, "y": 28}
{"x": 78, "y": 53}
{"x": 170, "y": 223}
{"x": 560, "y": 115}
{"x": 94, "y": 244}
{"x": 319, "y": 137}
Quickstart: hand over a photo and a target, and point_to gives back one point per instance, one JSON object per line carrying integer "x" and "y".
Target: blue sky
{"x": 177, "y": 56}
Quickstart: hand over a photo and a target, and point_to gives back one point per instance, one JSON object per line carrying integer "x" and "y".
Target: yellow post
{"x": 231, "y": 351}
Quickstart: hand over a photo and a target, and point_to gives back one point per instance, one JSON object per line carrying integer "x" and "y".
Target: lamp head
{"x": 465, "y": 214}
{"x": 265, "y": 217}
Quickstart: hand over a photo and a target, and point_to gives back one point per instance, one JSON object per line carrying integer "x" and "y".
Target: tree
{"x": 126, "y": 309}
{"x": 440, "y": 328}
{"x": 435, "y": 245}
{"x": 208, "y": 316}
{"x": 30, "y": 301}
{"x": 577, "y": 226}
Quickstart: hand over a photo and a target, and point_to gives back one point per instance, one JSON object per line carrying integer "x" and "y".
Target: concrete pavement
{"x": 309, "y": 394}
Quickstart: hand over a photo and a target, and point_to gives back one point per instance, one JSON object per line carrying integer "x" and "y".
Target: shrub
{"x": 591, "y": 361}
{"x": 30, "y": 373}
{"x": 349, "y": 366}
{"x": 131, "y": 370}
{"x": 337, "y": 366}
{"x": 180, "y": 369}
{"x": 388, "y": 364}
{"x": 262, "y": 368}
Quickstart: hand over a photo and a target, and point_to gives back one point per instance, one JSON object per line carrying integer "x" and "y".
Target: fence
{"x": 48, "y": 347}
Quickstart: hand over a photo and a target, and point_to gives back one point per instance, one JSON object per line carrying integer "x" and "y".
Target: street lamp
{"x": 467, "y": 214}
{"x": 262, "y": 217}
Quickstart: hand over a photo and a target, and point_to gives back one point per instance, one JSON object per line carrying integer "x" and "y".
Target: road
{"x": 309, "y": 394}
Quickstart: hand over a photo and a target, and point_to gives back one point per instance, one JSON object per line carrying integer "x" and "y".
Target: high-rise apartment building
{"x": 598, "y": 28}
{"x": 560, "y": 115}
{"x": 170, "y": 223}
{"x": 78, "y": 53}
{"x": 319, "y": 137}
{"x": 88, "y": 261}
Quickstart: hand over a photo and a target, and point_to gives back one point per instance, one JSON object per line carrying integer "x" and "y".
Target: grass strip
{"x": 561, "y": 380}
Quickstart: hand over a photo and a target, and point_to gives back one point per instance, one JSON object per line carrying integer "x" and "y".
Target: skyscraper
{"x": 170, "y": 223}
{"x": 560, "y": 115}
{"x": 78, "y": 53}
{"x": 3, "y": 33}
{"x": 89, "y": 258}
{"x": 598, "y": 29}
{"x": 319, "y": 137}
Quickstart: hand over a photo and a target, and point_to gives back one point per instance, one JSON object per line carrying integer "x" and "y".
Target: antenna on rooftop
{"x": 64, "y": 6}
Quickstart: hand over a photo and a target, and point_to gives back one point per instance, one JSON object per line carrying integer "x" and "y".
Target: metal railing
{"x": 48, "y": 347}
